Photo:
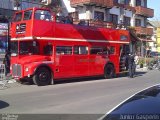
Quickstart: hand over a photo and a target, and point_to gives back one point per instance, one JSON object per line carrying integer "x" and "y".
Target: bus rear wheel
{"x": 42, "y": 77}
{"x": 109, "y": 71}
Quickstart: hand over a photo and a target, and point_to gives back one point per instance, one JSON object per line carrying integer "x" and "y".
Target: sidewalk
{"x": 5, "y": 81}
{"x": 141, "y": 69}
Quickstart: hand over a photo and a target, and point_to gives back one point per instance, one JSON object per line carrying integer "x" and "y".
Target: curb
{"x": 9, "y": 81}
{"x": 142, "y": 69}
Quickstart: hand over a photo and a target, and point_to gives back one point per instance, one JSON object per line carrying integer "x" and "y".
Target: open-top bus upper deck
{"x": 40, "y": 23}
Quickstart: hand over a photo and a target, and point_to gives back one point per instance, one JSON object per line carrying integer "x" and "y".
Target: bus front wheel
{"x": 42, "y": 77}
{"x": 109, "y": 71}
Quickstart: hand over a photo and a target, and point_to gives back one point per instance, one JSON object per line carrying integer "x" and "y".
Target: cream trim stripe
{"x": 22, "y": 38}
{"x": 68, "y": 39}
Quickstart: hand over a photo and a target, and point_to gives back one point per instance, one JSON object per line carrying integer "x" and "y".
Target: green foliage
{"x": 147, "y": 61}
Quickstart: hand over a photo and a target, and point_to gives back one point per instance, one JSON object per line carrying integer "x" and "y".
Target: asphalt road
{"x": 87, "y": 96}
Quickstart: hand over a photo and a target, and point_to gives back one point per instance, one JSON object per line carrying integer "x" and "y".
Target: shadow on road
{"x": 84, "y": 79}
{"x": 140, "y": 74}
{"x": 78, "y": 80}
{"x": 3, "y": 104}
{"x": 137, "y": 74}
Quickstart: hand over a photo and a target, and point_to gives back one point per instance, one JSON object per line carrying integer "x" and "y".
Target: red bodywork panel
{"x": 59, "y": 34}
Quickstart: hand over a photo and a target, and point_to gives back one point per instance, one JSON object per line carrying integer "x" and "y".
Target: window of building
{"x": 115, "y": 1}
{"x": 27, "y": 15}
{"x": 138, "y": 2}
{"x": 43, "y": 15}
{"x": 80, "y": 50}
{"x": 122, "y": 1}
{"x": 114, "y": 18}
{"x": 98, "y": 15}
{"x": 127, "y": 2}
{"x": 64, "y": 50}
{"x": 138, "y": 22}
{"x": 145, "y": 3}
{"x": 127, "y": 21}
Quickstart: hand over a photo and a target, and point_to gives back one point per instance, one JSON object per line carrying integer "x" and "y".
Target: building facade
{"x": 8, "y": 7}
{"x": 158, "y": 39}
{"x": 129, "y": 13}
{"x": 155, "y": 44}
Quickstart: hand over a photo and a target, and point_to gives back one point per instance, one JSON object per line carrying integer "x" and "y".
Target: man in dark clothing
{"x": 131, "y": 65}
{"x": 7, "y": 62}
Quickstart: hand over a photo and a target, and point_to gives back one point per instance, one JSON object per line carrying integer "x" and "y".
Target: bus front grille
{"x": 16, "y": 70}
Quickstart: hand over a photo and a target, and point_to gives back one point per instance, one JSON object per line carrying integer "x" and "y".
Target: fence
{"x": 2, "y": 72}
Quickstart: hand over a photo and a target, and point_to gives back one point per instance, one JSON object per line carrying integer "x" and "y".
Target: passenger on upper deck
{"x": 69, "y": 19}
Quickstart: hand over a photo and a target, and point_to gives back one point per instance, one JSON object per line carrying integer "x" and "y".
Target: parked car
{"x": 144, "y": 105}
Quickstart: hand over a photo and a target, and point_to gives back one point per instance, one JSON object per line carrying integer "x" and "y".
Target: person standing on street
{"x": 7, "y": 62}
{"x": 131, "y": 65}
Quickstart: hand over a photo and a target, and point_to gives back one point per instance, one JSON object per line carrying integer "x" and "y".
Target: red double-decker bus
{"x": 44, "y": 50}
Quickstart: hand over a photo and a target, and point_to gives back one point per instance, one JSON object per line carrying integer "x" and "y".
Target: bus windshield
{"x": 14, "y": 48}
{"x": 28, "y": 48}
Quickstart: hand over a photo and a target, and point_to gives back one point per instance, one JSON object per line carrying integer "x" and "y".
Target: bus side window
{"x": 64, "y": 50}
{"x": 48, "y": 50}
{"x": 80, "y": 50}
{"x": 96, "y": 50}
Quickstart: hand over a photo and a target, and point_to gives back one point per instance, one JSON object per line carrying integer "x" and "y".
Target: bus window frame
{"x": 63, "y": 52}
{"x": 15, "y": 20}
{"x": 39, "y": 15}
{"x": 30, "y": 14}
{"x": 106, "y": 52}
{"x": 87, "y": 48}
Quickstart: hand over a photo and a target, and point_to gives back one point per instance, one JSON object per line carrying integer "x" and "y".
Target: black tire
{"x": 109, "y": 71}
{"x": 42, "y": 77}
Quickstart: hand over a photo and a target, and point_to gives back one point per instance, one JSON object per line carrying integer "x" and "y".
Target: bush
{"x": 146, "y": 61}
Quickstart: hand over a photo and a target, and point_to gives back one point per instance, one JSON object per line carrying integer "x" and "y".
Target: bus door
{"x": 81, "y": 60}
{"x": 64, "y": 62}
{"x": 124, "y": 51}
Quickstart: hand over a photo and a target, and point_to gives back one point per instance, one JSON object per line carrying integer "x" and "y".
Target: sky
{"x": 154, "y": 4}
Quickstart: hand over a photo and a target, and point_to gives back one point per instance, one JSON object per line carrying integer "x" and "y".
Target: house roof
{"x": 154, "y": 23}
